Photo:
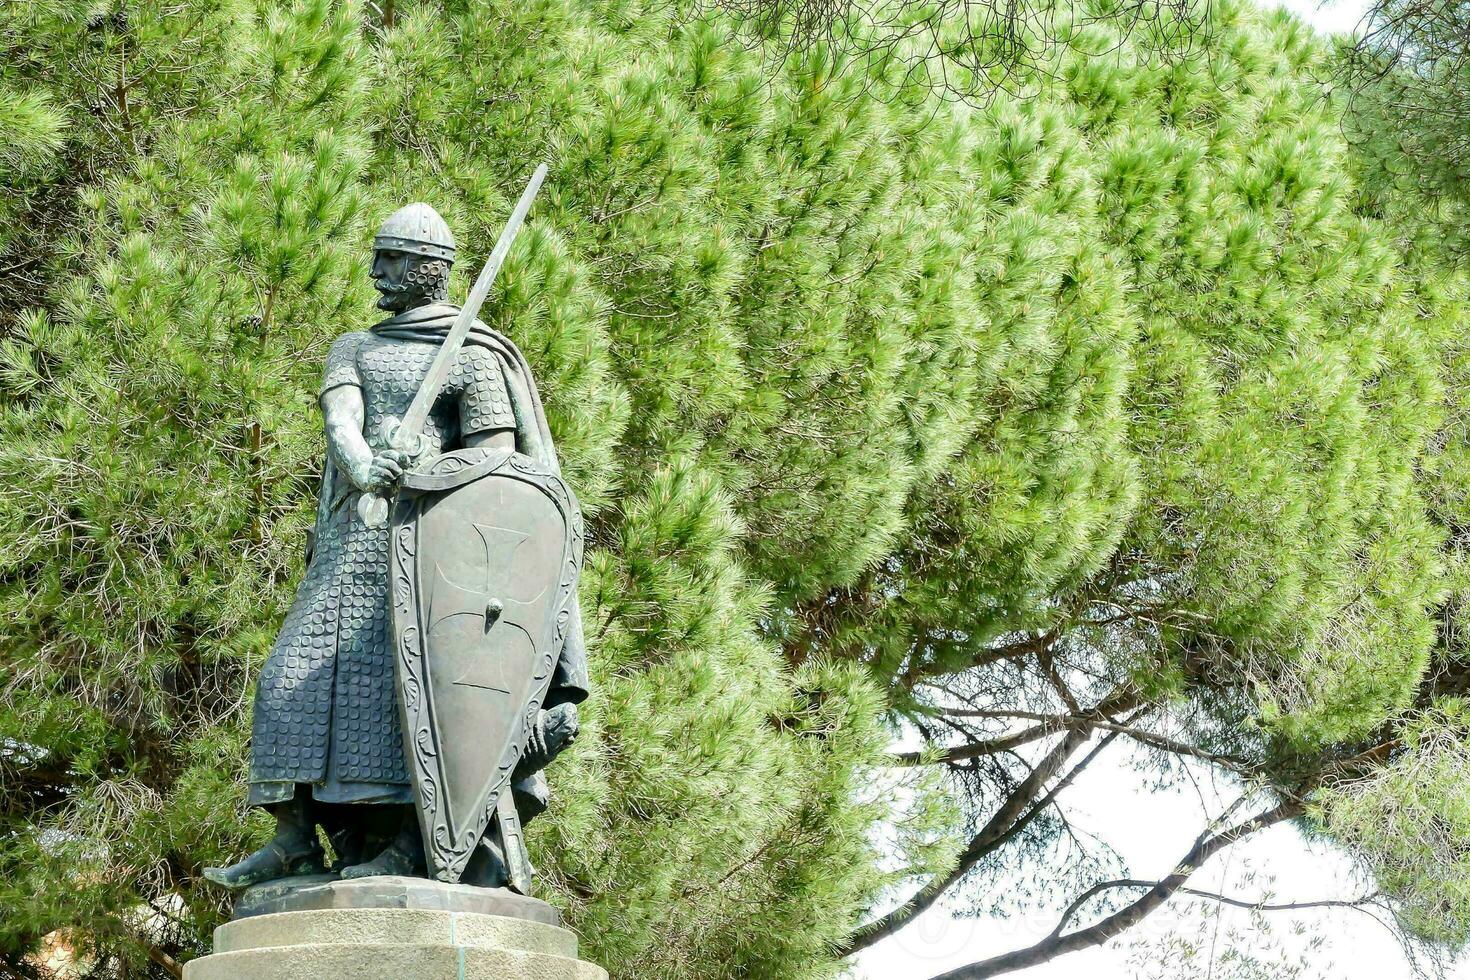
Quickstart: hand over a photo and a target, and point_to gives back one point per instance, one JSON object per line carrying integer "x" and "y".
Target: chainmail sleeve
{"x": 342, "y": 363}
{"x": 479, "y": 379}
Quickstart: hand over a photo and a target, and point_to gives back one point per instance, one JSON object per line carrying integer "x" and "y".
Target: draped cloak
{"x": 326, "y": 711}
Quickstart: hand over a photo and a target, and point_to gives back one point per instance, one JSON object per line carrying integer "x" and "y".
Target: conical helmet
{"x": 417, "y": 228}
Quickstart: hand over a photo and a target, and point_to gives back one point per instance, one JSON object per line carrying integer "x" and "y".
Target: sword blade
{"x": 418, "y": 411}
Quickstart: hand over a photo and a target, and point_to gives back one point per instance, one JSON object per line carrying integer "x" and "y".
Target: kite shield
{"x": 486, "y": 545}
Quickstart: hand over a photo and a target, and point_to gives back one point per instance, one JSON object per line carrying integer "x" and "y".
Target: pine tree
{"x": 1102, "y": 397}
{"x": 1404, "y": 72}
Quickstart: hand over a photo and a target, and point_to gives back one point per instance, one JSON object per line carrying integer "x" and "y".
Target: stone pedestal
{"x": 390, "y": 929}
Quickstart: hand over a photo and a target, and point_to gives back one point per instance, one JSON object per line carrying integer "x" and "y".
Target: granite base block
{"x": 422, "y": 932}
{"x": 313, "y": 892}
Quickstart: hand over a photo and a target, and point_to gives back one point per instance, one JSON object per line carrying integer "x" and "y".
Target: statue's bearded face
{"x": 407, "y": 281}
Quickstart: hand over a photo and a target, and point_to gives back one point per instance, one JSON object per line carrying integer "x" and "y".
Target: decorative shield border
{"x": 447, "y": 858}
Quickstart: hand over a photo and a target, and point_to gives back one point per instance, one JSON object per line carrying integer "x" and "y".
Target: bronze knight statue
{"x": 432, "y": 661}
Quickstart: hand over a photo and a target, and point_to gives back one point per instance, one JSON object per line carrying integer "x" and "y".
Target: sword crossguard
{"x": 414, "y": 444}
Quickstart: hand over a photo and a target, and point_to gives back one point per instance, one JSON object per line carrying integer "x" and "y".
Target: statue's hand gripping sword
{"x": 407, "y": 436}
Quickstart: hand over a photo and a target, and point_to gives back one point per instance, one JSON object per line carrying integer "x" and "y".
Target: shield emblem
{"x": 486, "y": 547}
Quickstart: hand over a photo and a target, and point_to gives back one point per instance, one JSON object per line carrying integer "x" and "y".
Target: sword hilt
{"x": 372, "y": 507}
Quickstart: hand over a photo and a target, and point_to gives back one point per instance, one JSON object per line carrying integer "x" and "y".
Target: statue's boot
{"x": 293, "y": 851}
{"x": 349, "y": 844}
{"x": 404, "y": 856}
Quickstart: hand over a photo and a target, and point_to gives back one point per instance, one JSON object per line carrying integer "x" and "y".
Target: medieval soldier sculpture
{"x": 452, "y": 618}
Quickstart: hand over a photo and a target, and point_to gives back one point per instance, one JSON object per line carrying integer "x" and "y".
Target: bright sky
{"x": 1151, "y": 831}
{"x": 1332, "y": 17}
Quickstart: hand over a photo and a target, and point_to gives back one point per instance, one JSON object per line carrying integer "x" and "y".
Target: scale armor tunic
{"x": 326, "y": 709}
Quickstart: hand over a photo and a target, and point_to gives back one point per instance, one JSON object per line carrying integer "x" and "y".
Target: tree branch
{"x": 1057, "y": 943}
{"x": 1000, "y": 822}
{"x": 1240, "y": 903}
{"x": 973, "y": 750}
{"x": 999, "y": 828}
{"x": 170, "y": 965}
{"x": 1049, "y": 724}
{"x": 1050, "y": 796}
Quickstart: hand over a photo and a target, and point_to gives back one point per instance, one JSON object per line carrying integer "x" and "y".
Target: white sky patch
{"x": 1327, "y": 16}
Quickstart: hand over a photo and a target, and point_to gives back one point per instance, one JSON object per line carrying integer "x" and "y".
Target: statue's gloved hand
{"x": 383, "y": 471}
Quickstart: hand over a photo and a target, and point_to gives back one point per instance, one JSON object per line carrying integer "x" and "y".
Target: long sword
{"x": 407, "y": 436}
